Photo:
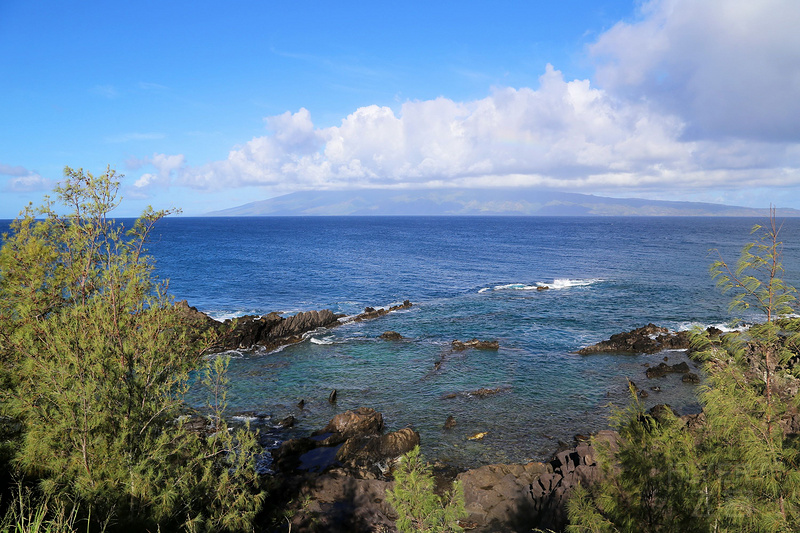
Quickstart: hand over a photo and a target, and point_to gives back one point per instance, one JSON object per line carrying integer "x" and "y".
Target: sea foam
{"x": 558, "y": 283}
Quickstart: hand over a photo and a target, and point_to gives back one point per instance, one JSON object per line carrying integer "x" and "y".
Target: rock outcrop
{"x": 662, "y": 369}
{"x": 353, "y": 441}
{"x": 272, "y": 331}
{"x": 269, "y": 331}
{"x": 647, "y": 339}
{"x": 518, "y": 497}
{"x": 476, "y": 344}
{"x": 371, "y": 312}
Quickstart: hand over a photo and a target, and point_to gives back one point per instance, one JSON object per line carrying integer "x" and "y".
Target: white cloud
{"x": 8, "y": 170}
{"x": 31, "y": 182}
{"x": 165, "y": 168}
{"x": 562, "y": 135}
{"x": 729, "y": 68}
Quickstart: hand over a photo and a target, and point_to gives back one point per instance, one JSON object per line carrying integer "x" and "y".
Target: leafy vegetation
{"x": 418, "y": 507}
{"x": 738, "y": 470}
{"x": 95, "y": 362}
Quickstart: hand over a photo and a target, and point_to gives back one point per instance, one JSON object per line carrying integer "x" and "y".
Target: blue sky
{"x": 208, "y": 105}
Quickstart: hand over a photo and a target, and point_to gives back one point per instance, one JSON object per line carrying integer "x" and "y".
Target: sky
{"x": 209, "y": 105}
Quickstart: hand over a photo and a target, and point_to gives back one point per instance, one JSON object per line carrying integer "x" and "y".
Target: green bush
{"x": 95, "y": 362}
{"x": 418, "y": 507}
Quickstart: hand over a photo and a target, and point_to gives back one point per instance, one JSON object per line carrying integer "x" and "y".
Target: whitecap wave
{"x": 322, "y": 340}
{"x": 566, "y": 283}
{"x": 558, "y": 283}
{"x": 225, "y": 314}
{"x": 725, "y": 327}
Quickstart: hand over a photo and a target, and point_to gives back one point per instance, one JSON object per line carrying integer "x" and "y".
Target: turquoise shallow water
{"x": 467, "y": 277}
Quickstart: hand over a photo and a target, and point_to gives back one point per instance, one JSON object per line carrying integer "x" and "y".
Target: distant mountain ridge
{"x": 471, "y": 202}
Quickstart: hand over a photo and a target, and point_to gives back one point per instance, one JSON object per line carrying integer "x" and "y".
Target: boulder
{"x": 373, "y": 455}
{"x": 476, "y": 344}
{"x": 691, "y": 378}
{"x": 391, "y": 336}
{"x": 356, "y": 423}
{"x": 663, "y": 369}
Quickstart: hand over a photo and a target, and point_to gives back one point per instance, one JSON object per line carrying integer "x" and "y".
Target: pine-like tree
{"x": 418, "y": 507}
{"x": 95, "y": 362}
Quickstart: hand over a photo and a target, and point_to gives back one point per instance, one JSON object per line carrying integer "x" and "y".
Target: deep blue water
{"x": 467, "y": 277}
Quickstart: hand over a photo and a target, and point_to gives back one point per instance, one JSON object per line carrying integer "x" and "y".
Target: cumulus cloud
{"x": 165, "y": 168}
{"x": 23, "y": 180}
{"x": 729, "y": 68}
{"x": 565, "y": 134}
{"x": 8, "y": 170}
{"x": 562, "y": 134}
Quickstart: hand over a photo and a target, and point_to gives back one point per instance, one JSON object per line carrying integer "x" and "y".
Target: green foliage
{"x": 418, "y": 507}
{"x": 756, "y": 280}
{"x": 650, "y": 483}
{"x": 96, "y": 360}
{"x": 739, "y": 471}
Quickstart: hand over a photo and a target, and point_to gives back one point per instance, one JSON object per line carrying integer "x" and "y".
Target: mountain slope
{"x": 477, "y": 202}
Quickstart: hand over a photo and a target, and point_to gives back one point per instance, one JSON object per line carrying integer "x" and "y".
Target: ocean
{"x": 468, "y": 277}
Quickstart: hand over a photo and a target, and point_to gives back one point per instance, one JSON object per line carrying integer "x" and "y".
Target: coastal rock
{"x": 647, "y": 339}
{"x": 478, "y": 393}
{"x": 269, "y": 331}
{"x": 391, "y": 336}
{"x": 476, "y": 344}
{"x": 450, "y": 423}
{"x": 337, "y": 503}
{"x": 372, "y": 456}
{"x": 356, "y": 423}
{"x": 663, "y": 369}
{"x": 272, "y": 330}
{"x": 691, "y": 378}
{"x": 517, "y": 497}
{"x": 371, "y": 312}
{"x": 193, "y": 318}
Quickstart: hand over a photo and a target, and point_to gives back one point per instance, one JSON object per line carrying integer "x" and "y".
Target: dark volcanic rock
{"x": 269, "y": 331}
{"x": 391, "y": 336}
{"x": 353, "y": 441}
{"x": 663, "y": 369}
{"x": 691, "y": 378}
{"x": 370, "y": 312}
{"x": 518, "y": 497}
{"x": 647, "y": 339}
{"x": 272, "y": 330}
{"x": 359, "y": 422}
{"x": 372, "y": 455}
{"x": 476, "y": 344}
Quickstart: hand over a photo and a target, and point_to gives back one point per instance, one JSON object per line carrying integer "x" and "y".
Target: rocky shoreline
{"x": 335, "y": 479}
{"x": 270, "y": 331}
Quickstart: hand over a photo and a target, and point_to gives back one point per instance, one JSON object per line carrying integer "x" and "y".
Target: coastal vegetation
{"x": 418, "y": 507}
{"x": 735, "y": 467}
{"x": 95, "y": 362}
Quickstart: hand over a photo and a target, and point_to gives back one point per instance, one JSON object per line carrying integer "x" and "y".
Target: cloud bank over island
{"x": 689, "y": 96}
